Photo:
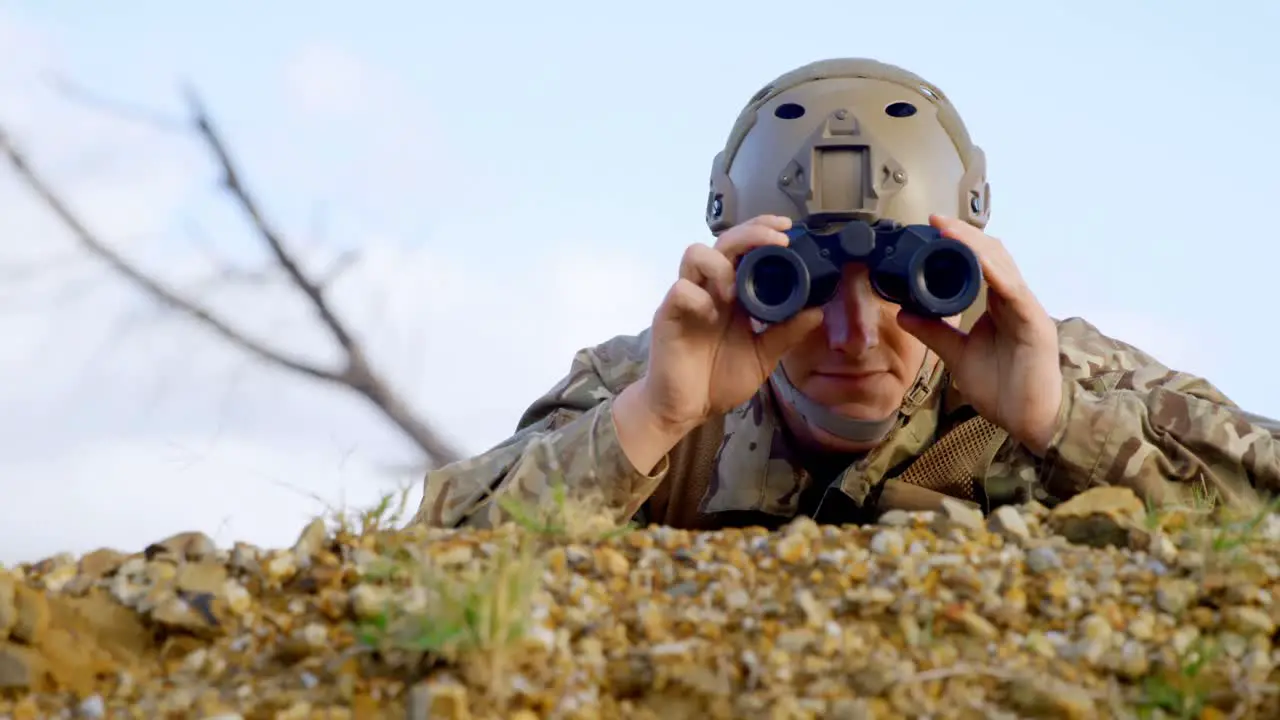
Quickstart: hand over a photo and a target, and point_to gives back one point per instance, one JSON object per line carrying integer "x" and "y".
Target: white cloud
{"x": 131, "y": 423}
{"x": 327, "y": 79}
{"x": 122, "y": 429}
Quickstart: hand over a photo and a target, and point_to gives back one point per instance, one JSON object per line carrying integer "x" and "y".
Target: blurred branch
{"x": 356, "y": 373}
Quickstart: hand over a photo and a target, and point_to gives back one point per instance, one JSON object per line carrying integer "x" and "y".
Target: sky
{"x": 520, "y": 180}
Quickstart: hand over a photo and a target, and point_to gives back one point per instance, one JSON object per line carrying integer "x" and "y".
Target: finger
{"x": 1003, "y": 277}
{"x": 942, "y": 338}
{"x": 781, "y": 223}
{"x": 689, "y": 301}
{"x": 704, "y": 266}
{"x": 775, "y": 341}
{"x": 997, "y": 264}
{"x": 740, "y": 239}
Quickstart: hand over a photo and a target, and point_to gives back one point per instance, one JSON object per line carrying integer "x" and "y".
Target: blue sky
{"x": 523, "y": 179}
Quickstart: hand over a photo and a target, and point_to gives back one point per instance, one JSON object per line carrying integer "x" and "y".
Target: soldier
{"x": 853, "y": 408}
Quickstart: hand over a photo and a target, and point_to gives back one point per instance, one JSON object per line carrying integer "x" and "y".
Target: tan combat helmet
{"x": 850, "y": 139}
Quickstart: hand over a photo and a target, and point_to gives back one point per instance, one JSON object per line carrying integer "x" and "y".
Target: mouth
{"x": 847, "y": 374}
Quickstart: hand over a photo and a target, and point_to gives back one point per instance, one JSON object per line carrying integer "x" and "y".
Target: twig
{"x": 356, "y": 374}
{"x": 90, "y": 242}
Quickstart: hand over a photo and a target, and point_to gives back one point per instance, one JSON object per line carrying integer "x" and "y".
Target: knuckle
{"x": 682, "y": 292}
{"x": 694, "y": 255}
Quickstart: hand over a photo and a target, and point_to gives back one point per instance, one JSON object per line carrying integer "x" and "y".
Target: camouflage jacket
{"x": 1125, "y": 420}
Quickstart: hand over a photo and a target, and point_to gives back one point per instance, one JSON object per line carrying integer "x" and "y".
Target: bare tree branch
{"x": 343, "y": 263}
{"x": 357, "y": 375}
{"x": 90, "y": 242}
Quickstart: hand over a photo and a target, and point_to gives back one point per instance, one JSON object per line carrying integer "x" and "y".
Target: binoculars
{"x": 913, "y": 266}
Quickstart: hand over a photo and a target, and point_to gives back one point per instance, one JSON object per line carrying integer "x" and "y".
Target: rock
{"x": 888, "y": 542}
{"x": 101, "y": 563}
{"x": 895, "y": 518}
{"x": 959, "y": 514}
{"x": 1008, "y": 522}
{"x": 310, "y": 542}
{"x": 1043, "y": 559}
{"x": 21, "y": 668}
{"x": 31, "y": 618}
{"x": 201, "y": 577}
{"x": 1099, "y": 517}
{"x": 193, "y": 546}
{"x": 1048, "y": 698}
{"x": 8, "y": 603}
{"x": 1249, "y": 621}
{"x": 199, "y": 614}
{"x": 439, "y": 700}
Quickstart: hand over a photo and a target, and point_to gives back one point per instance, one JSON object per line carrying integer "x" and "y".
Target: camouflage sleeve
{"x": 566, "y": 435}
{"x": 1128, "y": 420}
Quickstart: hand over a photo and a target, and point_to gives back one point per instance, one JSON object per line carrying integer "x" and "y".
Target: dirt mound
{"x": 1097, "y": 609}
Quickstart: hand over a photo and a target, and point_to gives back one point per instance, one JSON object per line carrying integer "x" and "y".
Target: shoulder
{"x": 1085, "y": 351}
{"x": 616, "y": 362}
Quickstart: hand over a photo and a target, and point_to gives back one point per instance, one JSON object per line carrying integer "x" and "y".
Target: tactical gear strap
{"x": 950, "y": 466}
{"x": 819, "y": 416}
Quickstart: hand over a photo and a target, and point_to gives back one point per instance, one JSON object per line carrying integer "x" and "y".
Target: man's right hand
{"x": 704, "y": 356}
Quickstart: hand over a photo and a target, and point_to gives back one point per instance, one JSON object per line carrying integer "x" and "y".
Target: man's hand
{"x": 704, "y": 356}
{"x": 1007, "y": 365}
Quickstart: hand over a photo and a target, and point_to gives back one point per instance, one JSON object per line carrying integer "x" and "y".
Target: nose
{"x": 852, "y": 317}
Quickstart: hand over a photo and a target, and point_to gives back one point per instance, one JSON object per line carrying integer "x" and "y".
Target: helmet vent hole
{"x": 789, "y": 111}
{"x": 900, "y": 110}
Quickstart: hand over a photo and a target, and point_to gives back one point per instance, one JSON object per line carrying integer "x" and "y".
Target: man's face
{"x": 859, "y": 362}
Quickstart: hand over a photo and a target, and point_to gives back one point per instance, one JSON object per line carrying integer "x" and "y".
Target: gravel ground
{"x": 1094, "y": 610}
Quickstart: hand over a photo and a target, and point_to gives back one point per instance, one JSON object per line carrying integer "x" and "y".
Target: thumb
{"x": 778, "y": 339}
{"x": 943, "y": 339}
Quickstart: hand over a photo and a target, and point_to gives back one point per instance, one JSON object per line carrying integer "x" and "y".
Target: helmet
{"x": 850, "y": 139}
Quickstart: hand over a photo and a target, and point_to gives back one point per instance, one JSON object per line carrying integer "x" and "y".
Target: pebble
{"x": 941, "y": 615}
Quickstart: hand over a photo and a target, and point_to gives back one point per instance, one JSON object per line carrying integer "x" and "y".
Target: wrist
{"x": 636, "y": 400}
{"x": 1041, "y": 436}
{"x": 645, "y": 435}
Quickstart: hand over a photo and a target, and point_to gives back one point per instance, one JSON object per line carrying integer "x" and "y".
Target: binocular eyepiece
{"x": 913, "y": 266}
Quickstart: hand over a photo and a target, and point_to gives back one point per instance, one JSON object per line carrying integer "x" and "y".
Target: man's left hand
{"x": 1006, "y": 366}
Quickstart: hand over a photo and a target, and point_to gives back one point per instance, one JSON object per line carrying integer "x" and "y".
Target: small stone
{"x": 977, "y": 625}
{"x": 888, "y": 542}
{"x": 443, "y": 699}
{"x": 1174, "y": 595}
{"x": 1099, "y": 517}
{"x": 961, "y": 514}
{"x": 368, "y": 601}
{"x": 1249, "y": 620}
{"x": 793, "y": 548}
{"x": 201, "y": 577}
{"x": 1043, "y": 559}
{"x": 1045, "y": 697}
{"x": 196, "y": 615}
{"x": 32, "y": 616}
{"x": 56, "y": 579}
{"x": 101, "y": 563}
{"x": 1008, "y": 522}
{"x": 612, "y": 562}
{"x": 193, "y": 546}
{"x": 281, "y": 566}
{"x": 310, "y": 541}
{"x": 8, "y": 603}
{"x": 20, "y": 667}
{"x": 92, "y": 707}
{"x": 895, "y": 518}
{"x": 245, "y": 557}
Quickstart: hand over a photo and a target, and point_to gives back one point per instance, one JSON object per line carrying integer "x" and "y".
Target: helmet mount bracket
{"x": 841, "y": 173}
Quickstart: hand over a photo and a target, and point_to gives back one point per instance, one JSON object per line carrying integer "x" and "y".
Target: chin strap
{"x": 848, "y": 428}
{"x": 821, "y": 417}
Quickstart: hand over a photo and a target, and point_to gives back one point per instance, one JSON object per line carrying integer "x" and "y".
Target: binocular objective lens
{"x": 773, "y": 280}
{"x": 946, "y": 274}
